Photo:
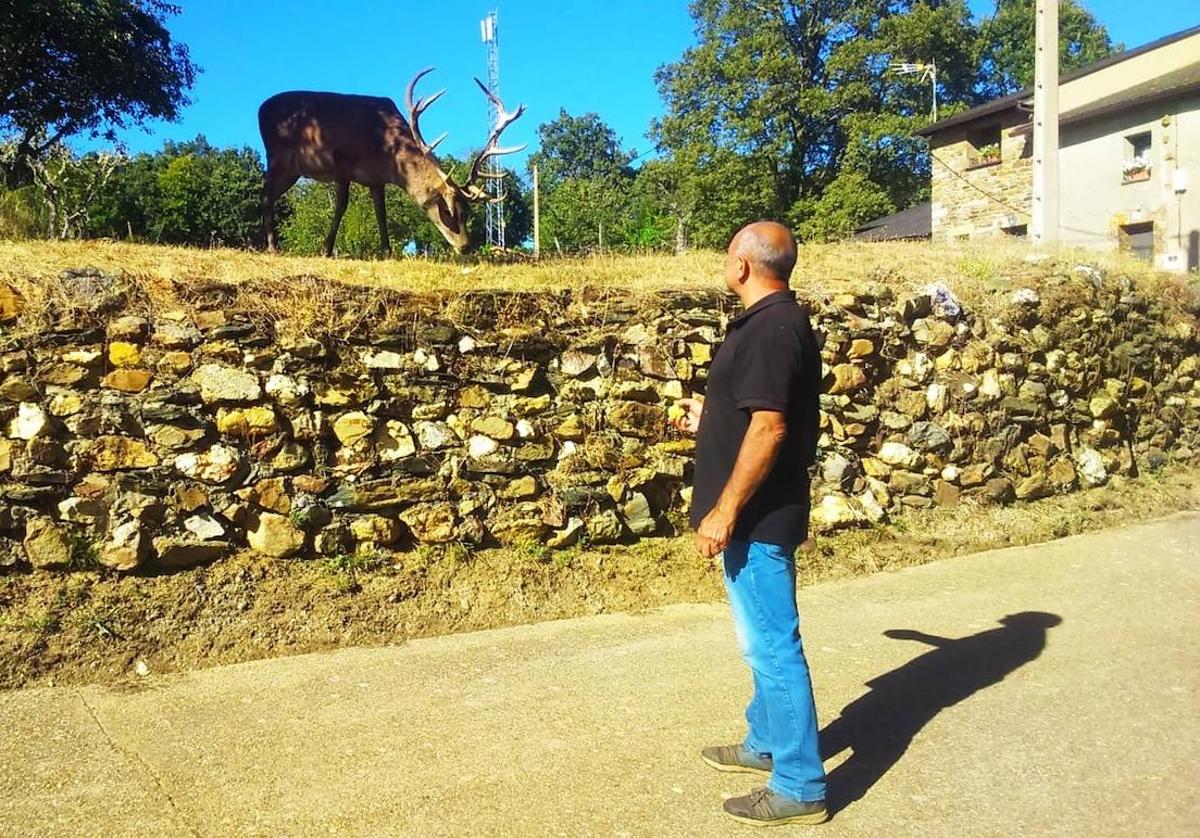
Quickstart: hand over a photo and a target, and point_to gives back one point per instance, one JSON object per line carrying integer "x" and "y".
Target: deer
{"x": 343, "y": 138}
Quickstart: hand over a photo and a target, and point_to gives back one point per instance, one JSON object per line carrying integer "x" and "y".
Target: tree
{"x": 572, "y": 147}
{"x": 708, "y": 193}
{"x": 187, "y": 193}
{"x": 800, "y": 91}
{"x": 1005, "y": 44}
{"x": 779, "y": 102}
{"x": 586, "y": 180}
{"x": 67, "y": 187}
{"x": 310, "y": 209}
{"x": 585, "y": 213}
{"x": 72, "y": 66}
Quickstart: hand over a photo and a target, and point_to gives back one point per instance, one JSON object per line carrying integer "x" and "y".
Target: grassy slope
{"x": 305, "y": 295}
{"x": 968, "y": 267}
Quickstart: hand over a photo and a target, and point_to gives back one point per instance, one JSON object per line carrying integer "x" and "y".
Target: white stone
{"x": 434, "y": 435}
{"x": 393, "y": 441}
{"x": 286, "y": 390}
{"x": 898, "y": 454}
{"x": 917, "y": 368}
{"x": 216, "y": 465}
{"x": 950, "y": 474}
{"x": 525, "y": 429}
{"x": 204, "y": 527}
{"x": 427, "y": 361}
{"x": 989, "y": 387}
{"x": 835, "y": 511}
{"x": 481, "y": 446}
{"x": 220, "y": 383}
{"x": 935, "y": 397}
{"x": 466, "y": 344}
{"x": 83, "y": 357}
{"x": 384, "y": 359}
{"x": 81, "y": 510}
{"x": 874, "y": 512}
{"x": 31, "y": 422}
{"x": 1090, "y": 466}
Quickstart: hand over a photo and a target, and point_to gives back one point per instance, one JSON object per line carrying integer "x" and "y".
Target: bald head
{"x": 769, "y": 248}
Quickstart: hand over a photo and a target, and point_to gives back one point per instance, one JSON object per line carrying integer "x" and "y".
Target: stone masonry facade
{"x": 981, "y": 195}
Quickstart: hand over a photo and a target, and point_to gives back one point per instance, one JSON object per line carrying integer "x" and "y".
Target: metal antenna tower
{"x": 489, "y": 31}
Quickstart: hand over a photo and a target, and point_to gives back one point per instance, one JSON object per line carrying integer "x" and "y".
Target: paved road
{"x": 964, "y": 721}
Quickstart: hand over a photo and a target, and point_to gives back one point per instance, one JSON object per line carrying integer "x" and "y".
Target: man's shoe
{"x": 736, "y": 758}
{"x": 763, "y": 807}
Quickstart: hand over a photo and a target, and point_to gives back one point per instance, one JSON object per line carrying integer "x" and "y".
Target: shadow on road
{"x": 879, "y": 726}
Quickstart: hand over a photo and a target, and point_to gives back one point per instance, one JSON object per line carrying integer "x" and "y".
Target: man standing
{"x": 756, "y": 437}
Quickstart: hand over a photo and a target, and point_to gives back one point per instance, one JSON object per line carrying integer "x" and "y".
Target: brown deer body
{"x": 342, "y": 139}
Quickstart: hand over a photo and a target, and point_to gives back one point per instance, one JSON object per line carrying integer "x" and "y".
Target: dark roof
{"x": 1013, "y": 100}
{"x": 912, "y": 223}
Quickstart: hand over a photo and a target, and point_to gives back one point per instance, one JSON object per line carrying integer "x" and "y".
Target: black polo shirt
{"x": 769, "y": 361}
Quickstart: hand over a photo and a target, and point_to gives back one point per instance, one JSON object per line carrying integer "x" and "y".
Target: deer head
{"x": 446, "y": 202}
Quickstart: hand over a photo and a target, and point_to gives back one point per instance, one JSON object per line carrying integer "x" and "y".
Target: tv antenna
{"x": 927, "y": 71}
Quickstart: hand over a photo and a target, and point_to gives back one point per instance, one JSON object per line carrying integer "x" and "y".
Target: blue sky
{"x": 573, "y": 54}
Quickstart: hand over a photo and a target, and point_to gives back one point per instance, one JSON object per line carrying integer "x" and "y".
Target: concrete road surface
{"x": 1051, "y": 690}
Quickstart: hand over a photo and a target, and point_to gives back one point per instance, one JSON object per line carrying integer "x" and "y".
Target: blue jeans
{"x": 782, "y": 717}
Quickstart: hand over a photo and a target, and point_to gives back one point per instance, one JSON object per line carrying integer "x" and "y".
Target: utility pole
{"x": 1044, "y": 213}
{"x": 537, "y": 216}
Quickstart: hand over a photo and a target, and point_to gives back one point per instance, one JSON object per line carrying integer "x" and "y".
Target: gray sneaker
{"x": 736, "y": 758}
{"x": 763, "y": 807}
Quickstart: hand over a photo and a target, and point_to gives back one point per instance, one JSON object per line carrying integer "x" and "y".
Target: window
{"x": 1138, "y": 239}
{"x": 1017, "y": 231}
{"x": 1139, "y": 144}
{"x": 985, "y": 146}
{"x": 1135, "y": 167}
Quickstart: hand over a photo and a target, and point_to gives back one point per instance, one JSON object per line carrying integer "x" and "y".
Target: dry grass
{"x": 968, "y": 267}
{"x": 305, "y": 295}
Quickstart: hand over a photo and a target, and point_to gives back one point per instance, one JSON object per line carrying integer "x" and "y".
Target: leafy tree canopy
{"x": 571, "y": 147}
{"x": 801, "y": 93}
{"x": 71, "y": 66}
{"x": 1005, "y": 44}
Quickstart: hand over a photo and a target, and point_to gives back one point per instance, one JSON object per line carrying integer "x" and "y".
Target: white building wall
{"x": 1094, "y": 201}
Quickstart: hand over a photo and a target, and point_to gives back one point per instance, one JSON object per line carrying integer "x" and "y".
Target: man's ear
{"x": 743, "y": 265}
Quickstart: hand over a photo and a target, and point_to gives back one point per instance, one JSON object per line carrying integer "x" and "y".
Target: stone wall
{"x": 973, "y": 197}
{"x": 154, "y": 441}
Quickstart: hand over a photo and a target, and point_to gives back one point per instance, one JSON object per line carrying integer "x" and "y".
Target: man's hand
{"x": 714, "y": 532}
{"x": 689, "y": 420}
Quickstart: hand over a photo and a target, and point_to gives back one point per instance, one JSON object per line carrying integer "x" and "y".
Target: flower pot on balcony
{"x": 1136, "y": 176}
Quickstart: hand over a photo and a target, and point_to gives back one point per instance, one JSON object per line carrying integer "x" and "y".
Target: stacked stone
{"x": 165, "y": 442}
{"x": 928, "y": 403}
{"x": 162, "y": 442}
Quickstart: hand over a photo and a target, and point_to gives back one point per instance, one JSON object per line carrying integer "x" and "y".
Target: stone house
{"x": 1129, "y": 149}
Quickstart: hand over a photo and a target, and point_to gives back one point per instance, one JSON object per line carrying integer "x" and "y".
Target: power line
{"x": 1005, "y": 203}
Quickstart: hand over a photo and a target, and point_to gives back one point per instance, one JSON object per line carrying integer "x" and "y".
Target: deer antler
{"x": 504, "y": 119}
{"x": 415, "y": 110}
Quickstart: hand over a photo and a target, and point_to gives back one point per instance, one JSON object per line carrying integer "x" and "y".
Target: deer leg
{"x": 275, "y": 183}
{"x": 381, "y": 219}
{"x": 339, "y": 208}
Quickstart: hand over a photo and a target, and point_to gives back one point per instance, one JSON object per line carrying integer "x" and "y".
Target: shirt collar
{"x": 774, "y": 298}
